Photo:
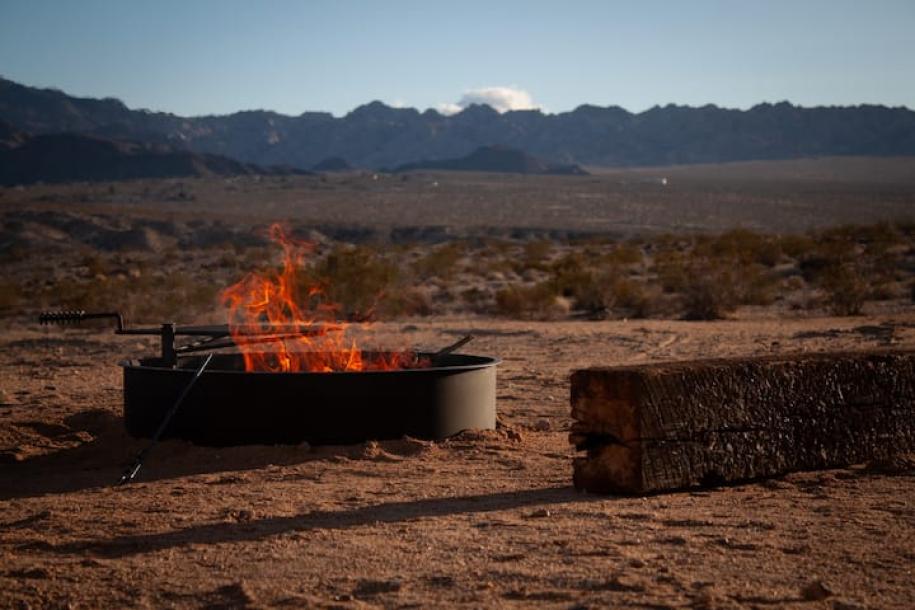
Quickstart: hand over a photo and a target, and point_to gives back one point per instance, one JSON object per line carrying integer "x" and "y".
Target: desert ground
{"x": 488, "y": 518}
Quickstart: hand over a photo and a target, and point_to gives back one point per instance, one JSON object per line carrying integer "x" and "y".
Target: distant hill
{"x": 496, "y": 159}
{"x": 376, "y": 135}
{"x": 71, "y": 157}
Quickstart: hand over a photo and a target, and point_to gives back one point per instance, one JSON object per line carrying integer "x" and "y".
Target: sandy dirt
{"x": 486, "y": 519}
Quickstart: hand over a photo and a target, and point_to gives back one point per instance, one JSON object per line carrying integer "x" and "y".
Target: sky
{"x": 194, "y": 57}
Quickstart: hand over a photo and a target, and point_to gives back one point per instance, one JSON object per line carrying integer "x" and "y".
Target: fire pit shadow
{"x": 106, "y": 448}
{"x": 392, "y": 512}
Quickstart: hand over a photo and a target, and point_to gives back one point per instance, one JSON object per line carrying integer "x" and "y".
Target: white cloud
{"x": 448, "y": 108}
{"x": 500, "y": 99}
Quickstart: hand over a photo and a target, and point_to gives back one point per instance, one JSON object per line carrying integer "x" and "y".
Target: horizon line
{"x": 405, "y": 108}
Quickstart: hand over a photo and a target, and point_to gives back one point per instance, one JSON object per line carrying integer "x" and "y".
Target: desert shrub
{"x": 539, "y": 301}
{"x": 630, "y": 297}
{"x": 571, "y": 274}
{"x": 173, "y": 297}
{"x": 673, "y": 270}
{"x": 474, "y": 297}
{"x": 755, "y": 285}
{"x": 407, "y": 302}
{"x": 796, "y": 246}
{"x": 711, "y": 294}
{"x": 622, "y": 255}
{"x": 845, "y": 289}
{"x": 740, "y": 246}
{"x": 440, "y": 261}
{"x": 353, "y": 279}
{"x": 534, "y": 255}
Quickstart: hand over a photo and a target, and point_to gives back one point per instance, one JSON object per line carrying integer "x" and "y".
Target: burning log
{"x": 669, "y": 426}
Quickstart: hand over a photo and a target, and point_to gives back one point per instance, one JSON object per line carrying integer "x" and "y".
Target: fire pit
{"x": 231, "y": 406}
{"x": 438, "y": 396}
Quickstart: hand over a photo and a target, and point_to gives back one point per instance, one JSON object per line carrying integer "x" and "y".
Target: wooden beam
{"x": 659, "y": 427}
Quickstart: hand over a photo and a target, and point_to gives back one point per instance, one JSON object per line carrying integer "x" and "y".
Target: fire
{"x": 280, "y": 326}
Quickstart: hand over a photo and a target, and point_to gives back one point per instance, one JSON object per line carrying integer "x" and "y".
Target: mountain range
{"x": 375, "y": 135}
{"x": 73, "y": 157}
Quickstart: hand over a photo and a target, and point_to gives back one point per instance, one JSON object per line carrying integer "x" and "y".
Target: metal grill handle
{"x": 75, "y": 316}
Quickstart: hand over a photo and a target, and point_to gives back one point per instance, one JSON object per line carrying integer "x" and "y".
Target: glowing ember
{"x": 310, "y": 338}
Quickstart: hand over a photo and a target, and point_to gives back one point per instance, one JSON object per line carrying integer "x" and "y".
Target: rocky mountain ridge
{"x": 376, "y": 135}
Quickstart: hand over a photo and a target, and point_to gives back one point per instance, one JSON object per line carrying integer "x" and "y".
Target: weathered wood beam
{"x": 658, "y": 427}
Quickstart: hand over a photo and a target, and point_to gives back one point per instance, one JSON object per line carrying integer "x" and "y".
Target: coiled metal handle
{"x": 75, "y": 316}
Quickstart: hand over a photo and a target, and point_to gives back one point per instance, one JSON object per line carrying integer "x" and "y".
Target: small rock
{"x": 441, "y": 581}
{"x": 847, "y": 604}
{"x": 513, "y": 435}
{"x": 376, "y": 587}
{"x": 540, "y": 513}
{"x": 816, "y": 591}
{"x": 241, "y": 516}
{"x": 542, "y": 425}
{"x": 37, "y": 572}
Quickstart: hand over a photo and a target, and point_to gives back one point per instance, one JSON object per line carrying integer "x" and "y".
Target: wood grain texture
{"x": 669, "y": 426}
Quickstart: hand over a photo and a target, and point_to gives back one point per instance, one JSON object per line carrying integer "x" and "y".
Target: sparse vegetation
{"x": 843, "y": 270}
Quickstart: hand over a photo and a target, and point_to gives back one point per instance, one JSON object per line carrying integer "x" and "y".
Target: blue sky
{"x": 213, "y": 57}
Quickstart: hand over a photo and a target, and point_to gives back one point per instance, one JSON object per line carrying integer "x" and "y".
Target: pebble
{"x": 847, "y": 604}
{"x": 816, "y": 591}
{"x": 513, "y": 435}
{"x": 542, "y": 425}
{"x": 374, "y": 587}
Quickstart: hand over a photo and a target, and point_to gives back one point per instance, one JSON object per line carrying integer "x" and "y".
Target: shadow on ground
{"x": 105, "y": 449}
{"x": 393, "y": 512}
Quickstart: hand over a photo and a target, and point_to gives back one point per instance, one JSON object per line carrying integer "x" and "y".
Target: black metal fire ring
{"x": 229, "y": 406}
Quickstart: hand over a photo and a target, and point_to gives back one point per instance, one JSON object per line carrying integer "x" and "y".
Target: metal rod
{"x": 451, "y": 348}
{"x": 131, "y": 472}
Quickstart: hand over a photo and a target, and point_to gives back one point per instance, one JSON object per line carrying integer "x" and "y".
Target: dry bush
{"x": 573, "y": 277}
{"x": 407, "y": 302}
{"x": 797, "y": 246}
{"x": 149, "y": 298}
{"x": 440, "y": 262}
{"x": 711, "y": 293}
{"x": 740, "y": 246}
{"x": 623, "y": 255}
{"x": 845, "y": 289}
{"x": 630, "y": 298}
{"x": 536, "y": 302}
{"x": 474, "y": 297}
{"x": 354, "y": 279}
{"x": 714, "y": 287}
{"x": 534, "y": 255}
{"x": 672, "y": 268}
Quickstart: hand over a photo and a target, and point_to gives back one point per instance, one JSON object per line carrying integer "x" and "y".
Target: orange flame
{"x": 277, "y": 334}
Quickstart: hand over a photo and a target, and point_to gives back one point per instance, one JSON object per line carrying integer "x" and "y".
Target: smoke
{"x": 500, "y": 99}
